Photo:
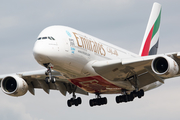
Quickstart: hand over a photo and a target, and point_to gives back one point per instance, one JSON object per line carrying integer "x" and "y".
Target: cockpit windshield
{"x": 45, "y": 38}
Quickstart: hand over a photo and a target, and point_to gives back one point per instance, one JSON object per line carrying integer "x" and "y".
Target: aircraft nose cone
{"x": 41, "y": 51}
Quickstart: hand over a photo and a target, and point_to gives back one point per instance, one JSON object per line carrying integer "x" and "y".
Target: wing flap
{"x": 146, "y": 79}
{"x": 62, "y": 87}
{"x": 44, "y": 86}
{"x": 31, "y": 88}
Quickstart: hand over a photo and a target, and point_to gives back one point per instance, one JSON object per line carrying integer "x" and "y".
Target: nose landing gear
{"x": 50, "y": 78}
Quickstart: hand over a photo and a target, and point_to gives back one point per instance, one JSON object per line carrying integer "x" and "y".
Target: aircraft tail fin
{"x": 151, "y": 37}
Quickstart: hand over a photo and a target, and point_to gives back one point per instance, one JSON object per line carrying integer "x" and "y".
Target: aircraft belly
{"x": 96, "y": 84}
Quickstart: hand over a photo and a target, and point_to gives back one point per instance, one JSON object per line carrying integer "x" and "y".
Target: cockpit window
{"x": 52, "y": 38}
{"x": 43, "y": 38}
{"x": 49, "y": 38}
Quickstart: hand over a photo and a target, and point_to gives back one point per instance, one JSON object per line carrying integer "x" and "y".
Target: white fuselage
{"x": 72, "y": 50}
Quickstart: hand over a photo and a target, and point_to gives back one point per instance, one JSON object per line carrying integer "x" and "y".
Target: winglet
{"x": 151, "y": 37}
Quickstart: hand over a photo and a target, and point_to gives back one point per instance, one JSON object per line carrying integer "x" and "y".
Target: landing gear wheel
{"x": 47, "y": 80}
{"x": 91, "y": 103}
{"x": 125, "y": 98}
{"x": 74, "y": 101}
{"x": 98, "y": 101}
{"x": 140, "y": 93}
{"x": 104, "y": 100}
{"x": 79, "y": 100}
{"x": 130, "y": 97}
{"x": 117, "y": 99}
{"x": 135, "y": 94}
{"x": 69, "y": 103}
{"x": 53, "y": 79}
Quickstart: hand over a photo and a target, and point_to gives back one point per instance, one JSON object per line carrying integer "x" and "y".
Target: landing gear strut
{"x": 130, "y": 97}
{"x": 98, "y": 101}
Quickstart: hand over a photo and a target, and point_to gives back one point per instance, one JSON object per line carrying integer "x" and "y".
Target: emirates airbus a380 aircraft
{"x": 76, "y": 62}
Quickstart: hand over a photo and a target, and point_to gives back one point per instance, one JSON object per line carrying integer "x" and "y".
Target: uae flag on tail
{"x": 151, "y": 37}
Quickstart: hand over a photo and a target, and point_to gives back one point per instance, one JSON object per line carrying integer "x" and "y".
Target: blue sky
{"x": 121, "y": 22}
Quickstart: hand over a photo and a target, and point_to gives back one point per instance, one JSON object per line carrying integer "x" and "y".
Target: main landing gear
{"x": 74, "y": 101}
{"x": 133, "y": 79}
{"x": 130, "y": 97}
{"x": 98, "y": 101}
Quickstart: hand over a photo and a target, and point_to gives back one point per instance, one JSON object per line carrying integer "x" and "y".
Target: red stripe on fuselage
{"x": 146, "y": 47}
{"x": 95, "y": 84}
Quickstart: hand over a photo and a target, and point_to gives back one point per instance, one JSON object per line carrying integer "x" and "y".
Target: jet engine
{"x": 165, "y": 66}
{"x": 14, "y": 86}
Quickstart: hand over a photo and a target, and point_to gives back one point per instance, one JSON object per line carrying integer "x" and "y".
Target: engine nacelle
{"x": 165, "y": 66}
{"x": 14, "y": 86}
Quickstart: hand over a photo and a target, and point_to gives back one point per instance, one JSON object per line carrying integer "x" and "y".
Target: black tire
{"x": 125, "y": 98}
{"x": 98, "y": 101}
{"x": 104, "y": 101}
{"x": 46, "y": 73}
{"x": 47, "y": 80}
{"x": 53, "y": 79}
{"x": 134, "y": 93}
{"x": 131, "y": 97}
{"x": 79, "y": 100}
{"x": 139, "y": 94}
{"x": 76, "y": 102}
{"x": 91, "y": 103}
{"x": 121, "y": 99}
{"x": 117, "y": 99}
{"x": 142, "y": 92}
{"x": 69, "y": 103}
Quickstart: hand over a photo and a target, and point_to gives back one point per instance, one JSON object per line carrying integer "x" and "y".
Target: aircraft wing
{"x": 140, "y": 67}
{"x": 36, "y": 79}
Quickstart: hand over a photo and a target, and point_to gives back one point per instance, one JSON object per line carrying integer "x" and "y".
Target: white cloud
{"x": 14, "y": 110}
